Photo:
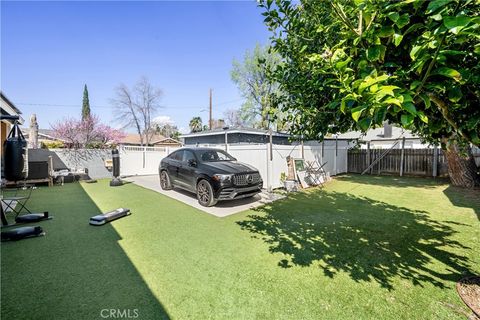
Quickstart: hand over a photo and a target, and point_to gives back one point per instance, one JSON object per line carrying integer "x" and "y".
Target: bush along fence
{"x": 416, "y": 162}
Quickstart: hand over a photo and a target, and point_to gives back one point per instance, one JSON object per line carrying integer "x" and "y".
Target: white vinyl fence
{"x": 141, "y": 160}
{"x": 271, "y": 165}
{"x": 270, "y": 162}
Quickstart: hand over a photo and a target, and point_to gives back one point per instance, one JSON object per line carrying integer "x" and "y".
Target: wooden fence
{"x": 417, "y": 162}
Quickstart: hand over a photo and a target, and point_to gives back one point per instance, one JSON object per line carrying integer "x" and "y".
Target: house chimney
{"x": 387, "y": 130}
{"x": 33, "y": 134}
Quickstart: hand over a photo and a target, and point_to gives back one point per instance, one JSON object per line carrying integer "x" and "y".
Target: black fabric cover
{"x": 14, "y": 158}
{"x": 21, "y": 233}
{"x": 41, "y": 155}
{"x": 37, "y": 170}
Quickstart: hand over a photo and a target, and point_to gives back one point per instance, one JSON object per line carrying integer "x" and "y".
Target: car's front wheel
{"x": 205, "y": 194}
{"x": 165, "y": 180}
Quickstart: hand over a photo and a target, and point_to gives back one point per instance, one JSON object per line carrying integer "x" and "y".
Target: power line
{"x": 226, "y": 102}
{"x": 94, "y": 106}
{"x": 53, "y": 105}
{"x": 57, "y": 105}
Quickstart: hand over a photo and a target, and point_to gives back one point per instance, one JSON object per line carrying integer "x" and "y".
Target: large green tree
{"x": 352, "y": 64}
{"x": 250, "y": 76}
{"x": 85, "y": 104}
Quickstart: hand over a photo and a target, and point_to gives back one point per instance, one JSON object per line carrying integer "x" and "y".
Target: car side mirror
{"x": 192, "y": 163}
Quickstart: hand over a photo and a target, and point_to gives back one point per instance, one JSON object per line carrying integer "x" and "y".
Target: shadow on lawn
{"x": 368, "y": 239}
{"x": 393, "y": 181}
{"x": 467, "y": 198}
{"x": 76, "y": 271}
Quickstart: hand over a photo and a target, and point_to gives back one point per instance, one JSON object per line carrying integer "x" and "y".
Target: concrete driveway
{"x": 221, "y": 209}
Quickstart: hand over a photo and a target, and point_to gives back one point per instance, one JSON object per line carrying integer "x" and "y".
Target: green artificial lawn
{"x": 361, "y": 248}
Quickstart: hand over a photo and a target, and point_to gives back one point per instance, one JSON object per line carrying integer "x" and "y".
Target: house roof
{"x": 8, "y": 108}
{"x": 233, "y": 130}
{"x": 42, "y": 133}
{"x": 134, "y": 138}
{"x": 9, "y": 103}
{"x": 378, "y": 134}
{"x": 166, "y": 141}
{"x": 48, "y": 133}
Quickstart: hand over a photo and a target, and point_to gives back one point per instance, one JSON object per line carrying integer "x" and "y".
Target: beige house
{"x": 45, "y": 137}
{"x": 157, "y": 140}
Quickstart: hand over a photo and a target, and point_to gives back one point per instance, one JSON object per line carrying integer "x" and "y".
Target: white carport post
{"x": 269, "y": 161}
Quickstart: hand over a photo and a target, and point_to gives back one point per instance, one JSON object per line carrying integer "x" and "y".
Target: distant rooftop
{"x": 378, "y": 134}
{"x": 10, "y": 104}
{"x": 234, "y": 130}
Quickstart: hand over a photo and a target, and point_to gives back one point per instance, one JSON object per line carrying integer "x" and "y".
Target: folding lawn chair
{"x": 19, "y": 199}
{"x": 316, "y": 172}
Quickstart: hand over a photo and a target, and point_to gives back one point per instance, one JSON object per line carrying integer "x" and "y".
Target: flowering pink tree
{"x": 86, "y": 133}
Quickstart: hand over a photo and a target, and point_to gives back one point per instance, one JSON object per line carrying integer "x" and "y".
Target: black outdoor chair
{"x": 15, "y": 200}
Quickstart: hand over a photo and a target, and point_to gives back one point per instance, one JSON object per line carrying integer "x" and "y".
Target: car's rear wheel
{"x": 205, "y": 194}
{"x": 165, "y": 181}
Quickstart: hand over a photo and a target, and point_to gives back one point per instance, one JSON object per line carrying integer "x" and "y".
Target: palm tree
{"x": 195, "y": 124}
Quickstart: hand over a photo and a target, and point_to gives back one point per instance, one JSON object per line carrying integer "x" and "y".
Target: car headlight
{"x": 223, "y": 177}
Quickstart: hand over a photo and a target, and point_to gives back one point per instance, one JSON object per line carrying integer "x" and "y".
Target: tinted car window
{"x": 188, "y": 155}
{"x": 213, "y": 155}
{"x": 177, "y": 155}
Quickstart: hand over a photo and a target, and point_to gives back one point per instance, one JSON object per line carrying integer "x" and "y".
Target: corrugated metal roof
{"x": 233, "y": 130}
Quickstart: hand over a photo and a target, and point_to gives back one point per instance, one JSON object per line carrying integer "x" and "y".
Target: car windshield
{"x": 213, "y": 155}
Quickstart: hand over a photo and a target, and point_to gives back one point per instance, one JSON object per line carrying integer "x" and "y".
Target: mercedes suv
{"x": 212, "y": 174}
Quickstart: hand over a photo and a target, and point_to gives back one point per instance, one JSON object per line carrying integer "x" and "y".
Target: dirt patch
{"x": 469, "y": 290}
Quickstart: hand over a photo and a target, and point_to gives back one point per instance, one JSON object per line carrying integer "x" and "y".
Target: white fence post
{"x": 435, "y": 161}
{"x": 335, "y": 156}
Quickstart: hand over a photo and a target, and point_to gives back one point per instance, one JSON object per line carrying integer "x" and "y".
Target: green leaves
{"x": 364, "y": 123}
{"x": 393, "y": 16}
{"x": 397, "y": 38}
{"x": 342, "y": 64}
{"x": 402, "y": 21}
{"x": 399, "y": 20}
{"x": 415, "y": 52}
{"x": 455, "y": 94}
{"x": 357, "y": 112}
{"x": 456, "y": 24}
{"x": 369, "y": 81}
{"x": 406, "y": 119}
{"x": 422, "y": 116}
{"x": 426, "y": 100}
{"x": 436, "y": 4}
{"x": 394, "y": 101}
{"x": 385, "y": 91}
{"x": 348, "y": 100}
{"x": 376, "y": 52}
{"x": 410, "y": 107}
{"x": 448, "y": 72}
{"x": 386, "y": 31}
{"x": 335, "y": 79}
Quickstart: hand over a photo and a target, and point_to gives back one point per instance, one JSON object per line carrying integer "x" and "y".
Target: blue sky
{"x": 50, "y": 49}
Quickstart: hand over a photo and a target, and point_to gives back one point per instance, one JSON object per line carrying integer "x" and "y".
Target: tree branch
{"x": 435, "y": 56}
{"x": 343, "y": 18}
{"x": 443, "y": 108}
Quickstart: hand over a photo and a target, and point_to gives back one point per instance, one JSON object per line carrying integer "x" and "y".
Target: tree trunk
{"x": 462, "y": 169}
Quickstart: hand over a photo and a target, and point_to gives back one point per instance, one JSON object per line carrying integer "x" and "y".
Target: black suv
{"x": 210, "y": 173}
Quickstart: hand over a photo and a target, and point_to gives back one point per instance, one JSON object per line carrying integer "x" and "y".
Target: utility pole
{"x": 210, "y": 119}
